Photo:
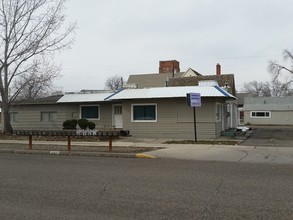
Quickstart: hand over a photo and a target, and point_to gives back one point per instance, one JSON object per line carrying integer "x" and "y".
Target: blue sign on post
{"x": 193, "y": 99}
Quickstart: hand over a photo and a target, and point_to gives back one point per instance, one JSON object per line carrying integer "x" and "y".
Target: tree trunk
{"x": 7, "y": 128}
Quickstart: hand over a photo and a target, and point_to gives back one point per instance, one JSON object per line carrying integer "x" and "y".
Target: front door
{"x": 117, "y": 116}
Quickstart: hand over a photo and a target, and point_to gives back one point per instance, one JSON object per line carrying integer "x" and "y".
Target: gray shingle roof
{"x": 46, "y": 100}
{"x": 268, "y": 103}
{"x": 223, "y": 80}
{"x": 151, "y": 80}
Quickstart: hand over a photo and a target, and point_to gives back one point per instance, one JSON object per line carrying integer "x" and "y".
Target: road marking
{"x": 144, "y": 156}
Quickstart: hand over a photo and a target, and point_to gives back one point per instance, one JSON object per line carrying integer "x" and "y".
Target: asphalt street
{"x": 60, "y": 187}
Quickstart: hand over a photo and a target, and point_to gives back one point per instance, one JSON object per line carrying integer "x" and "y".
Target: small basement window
{"x": 260, "y": 114}
{"x": 144, "y": 112}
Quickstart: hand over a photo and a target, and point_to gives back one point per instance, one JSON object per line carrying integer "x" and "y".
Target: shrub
{"x": 74, "y": 123}
{"x": 82, "y": 123}
{"x": 91, "y": 125}
{"x": 70, "y": 124}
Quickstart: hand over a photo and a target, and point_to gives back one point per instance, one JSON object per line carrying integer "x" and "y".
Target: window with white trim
{"x": 144, "y": 112}
{"x": 260, "y": 114}
{"x": 48, "y": 116}
{"x": 90, "y": 111}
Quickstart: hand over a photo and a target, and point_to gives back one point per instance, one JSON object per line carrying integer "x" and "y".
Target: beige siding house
{"x": 174, "y": 119}
{"x": 163, "y": 112}
{"x": 154, "y": 112}
{"x": 268, "y": 110}
{"x": 48, "y": 113}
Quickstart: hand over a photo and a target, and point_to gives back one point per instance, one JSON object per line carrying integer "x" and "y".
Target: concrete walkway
{"x": 203, "y": 152}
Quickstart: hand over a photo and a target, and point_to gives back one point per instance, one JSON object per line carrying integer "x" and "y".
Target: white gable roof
{"x": 84, "y": 97}
{"x": 170, "y": 92}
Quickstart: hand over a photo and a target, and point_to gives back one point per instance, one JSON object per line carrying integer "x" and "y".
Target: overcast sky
{"x": 126, "y": 37}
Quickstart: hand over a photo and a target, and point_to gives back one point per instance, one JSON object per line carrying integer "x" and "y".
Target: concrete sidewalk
{"x": 203, "y": 152}
{"x": 228, "y": 153}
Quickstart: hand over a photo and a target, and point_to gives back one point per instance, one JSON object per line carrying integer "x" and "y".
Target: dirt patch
{"x": 103, "y": 144}
{"x": 48, "y": 147}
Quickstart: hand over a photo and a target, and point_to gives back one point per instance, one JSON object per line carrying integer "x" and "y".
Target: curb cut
{"x": 144, "y": 156}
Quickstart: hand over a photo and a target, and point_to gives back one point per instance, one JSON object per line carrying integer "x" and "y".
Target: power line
{"x": 181, "y": 60}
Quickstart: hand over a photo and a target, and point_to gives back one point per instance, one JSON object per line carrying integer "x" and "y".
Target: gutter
{"x": 115, "y": 93}
{"x": 225, "y": 93}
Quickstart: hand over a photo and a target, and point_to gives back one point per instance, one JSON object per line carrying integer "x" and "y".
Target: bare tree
{"x": 31, "y": 31}
{"x": 254, "y": 88}
{"x": 114, "y": 83}
{"x": 280, "y": 89}
{"x": 278, "y": 69}
{"x": 266, "y": 89}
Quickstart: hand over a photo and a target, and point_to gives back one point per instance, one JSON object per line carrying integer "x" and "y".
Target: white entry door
{"x": 117, "y": 116}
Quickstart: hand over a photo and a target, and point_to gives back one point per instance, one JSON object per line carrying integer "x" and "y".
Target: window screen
{"x": 144, "y": 112}
{"x": 90, "y": 111}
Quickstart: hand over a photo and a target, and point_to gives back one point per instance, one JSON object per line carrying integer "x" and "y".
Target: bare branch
{"x": 278, "y": 69}
{"x": 275, "y": 88}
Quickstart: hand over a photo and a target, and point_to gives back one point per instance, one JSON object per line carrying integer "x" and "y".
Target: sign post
{"x": 194, "y": 100}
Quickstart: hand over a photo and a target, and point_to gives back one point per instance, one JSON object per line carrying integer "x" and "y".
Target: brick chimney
{"x": 218, "y": 69}
{"x": 169, "y": 66}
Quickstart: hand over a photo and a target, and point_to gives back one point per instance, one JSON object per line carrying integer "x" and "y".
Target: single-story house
{"x": 51, "y": 112}
{"x": 268, "y": 110}
{"x": 152, "y": 112}
{"x": 163, "y": 112}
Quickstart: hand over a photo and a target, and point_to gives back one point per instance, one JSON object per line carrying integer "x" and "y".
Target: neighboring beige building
{"x": 167, "y": 70}
{"x": 268, "y": 110}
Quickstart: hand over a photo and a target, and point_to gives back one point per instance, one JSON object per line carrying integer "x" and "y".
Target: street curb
{"x": 144, "y": 156}
{"x": 66, "y": 153}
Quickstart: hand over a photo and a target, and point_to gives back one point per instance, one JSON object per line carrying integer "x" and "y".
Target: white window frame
{"x": 99, "y": 113}
{"x": 49, "y": 116}
{"x": 144, "y": 104}
{"x": 251, "y": 114}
